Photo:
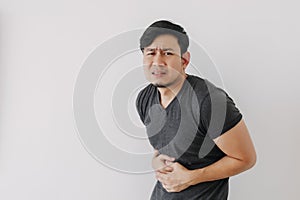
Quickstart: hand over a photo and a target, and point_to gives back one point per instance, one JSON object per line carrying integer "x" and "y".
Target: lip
{"x": 158, "y": 73}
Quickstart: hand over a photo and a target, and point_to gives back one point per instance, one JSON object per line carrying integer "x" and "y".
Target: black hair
{"x": 163, "y": 27}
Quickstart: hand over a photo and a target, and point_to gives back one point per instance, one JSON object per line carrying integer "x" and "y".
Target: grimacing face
{"x": 163, "y": 64}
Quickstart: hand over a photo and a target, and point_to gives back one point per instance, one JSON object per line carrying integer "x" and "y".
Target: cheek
{"x": 146, "y": 61}
{"x": 175, "y": 63}
{"x": 147, "y": 72}
{"x": 146, "y": 68}
{"x": 175, "y": 68}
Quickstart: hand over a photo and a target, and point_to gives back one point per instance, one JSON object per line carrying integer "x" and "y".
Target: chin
{"x": 160, "y": 86}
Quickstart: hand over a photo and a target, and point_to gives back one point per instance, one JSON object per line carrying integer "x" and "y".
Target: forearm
{"x": 225, "y": 167}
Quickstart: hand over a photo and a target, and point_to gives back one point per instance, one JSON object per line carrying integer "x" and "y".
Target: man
{"x": 198, "y": 134}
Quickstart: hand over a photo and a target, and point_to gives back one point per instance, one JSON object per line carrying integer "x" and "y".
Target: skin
{"x": 164, "y": 66}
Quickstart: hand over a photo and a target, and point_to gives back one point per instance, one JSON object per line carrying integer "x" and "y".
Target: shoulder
{"x": 146, "y": 92}
{"x": 144, "y": 99}
{"x": 146, "y": 96}
{"x": 203, "y": 88}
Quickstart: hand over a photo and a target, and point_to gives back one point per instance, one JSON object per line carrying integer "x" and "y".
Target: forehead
{"x": 165, "y": 42}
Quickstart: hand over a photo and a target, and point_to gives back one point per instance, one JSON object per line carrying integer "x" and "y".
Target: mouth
{"x": 158, "y": 73}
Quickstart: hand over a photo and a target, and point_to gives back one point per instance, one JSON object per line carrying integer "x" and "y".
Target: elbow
{"x": 250, "y": 161}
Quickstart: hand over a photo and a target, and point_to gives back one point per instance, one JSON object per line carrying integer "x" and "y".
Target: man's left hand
{"x": 177, "y": 180}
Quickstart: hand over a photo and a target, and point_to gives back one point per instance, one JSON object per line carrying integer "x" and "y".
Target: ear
{"x": 185, "y": 59}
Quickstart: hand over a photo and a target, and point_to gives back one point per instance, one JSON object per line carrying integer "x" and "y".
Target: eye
{"x": 150, "y": 54}
{"x": 168, "y": 53}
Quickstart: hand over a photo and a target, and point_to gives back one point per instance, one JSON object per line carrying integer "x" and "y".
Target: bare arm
{"x": 240, "y": 156}
{"x": 161, "y": 163}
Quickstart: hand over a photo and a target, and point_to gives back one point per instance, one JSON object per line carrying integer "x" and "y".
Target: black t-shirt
{"x": 185, "y": 129}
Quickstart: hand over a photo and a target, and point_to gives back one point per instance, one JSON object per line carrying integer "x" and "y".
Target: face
{"x": 163, "y": 64}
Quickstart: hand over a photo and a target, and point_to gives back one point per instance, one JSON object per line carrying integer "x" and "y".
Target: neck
{"x": 171, "y": 91}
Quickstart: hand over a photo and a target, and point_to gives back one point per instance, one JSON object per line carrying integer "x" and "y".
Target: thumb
{"x": 166, "y": 158}
{"x": 169, "y": 162}
{"x": 168, "y": 169}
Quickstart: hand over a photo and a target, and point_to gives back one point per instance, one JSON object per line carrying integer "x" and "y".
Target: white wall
{"x": 254, "y": 44}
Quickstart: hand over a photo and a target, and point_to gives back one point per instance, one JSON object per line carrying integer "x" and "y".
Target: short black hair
{"x": 163, "y": 27}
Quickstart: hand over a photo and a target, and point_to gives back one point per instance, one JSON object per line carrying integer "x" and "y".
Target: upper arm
{"x": 237, "y": 143}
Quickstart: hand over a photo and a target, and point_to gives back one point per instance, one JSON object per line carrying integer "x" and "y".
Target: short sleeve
{"x": 218, "y": 114}
{"x": 139, "y": 107}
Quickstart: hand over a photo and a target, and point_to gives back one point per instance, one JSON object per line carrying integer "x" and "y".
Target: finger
{"x": 159, "y": 173}
{"x": 167, "y": 162}
{"x": 165, "y": 186}
{"x": 173, "y": 164}
{"x": 166, "y": 158}
{"x": 157, "y": 176}
{"x": 165, "y": 170}
{"x": 168, "y": 169}
{"x": 160, "y": 176}
{"x": 168, "y": 188}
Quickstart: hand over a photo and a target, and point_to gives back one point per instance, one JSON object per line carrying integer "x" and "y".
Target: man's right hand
{"x": 161, "y": 162}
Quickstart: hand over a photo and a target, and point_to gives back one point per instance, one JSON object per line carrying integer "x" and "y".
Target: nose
{"x": 158, "y": 60}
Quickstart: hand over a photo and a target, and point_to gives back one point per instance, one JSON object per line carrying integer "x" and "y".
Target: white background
{"x": 43, "y": 44}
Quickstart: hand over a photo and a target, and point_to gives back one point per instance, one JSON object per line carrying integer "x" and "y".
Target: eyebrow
{"x": 164, "y": 49}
